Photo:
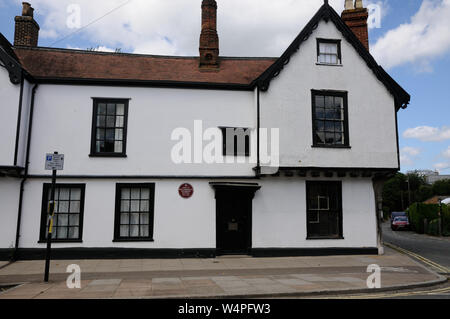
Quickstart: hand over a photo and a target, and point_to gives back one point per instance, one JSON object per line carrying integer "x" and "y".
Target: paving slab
{"x": 211, "y": 278}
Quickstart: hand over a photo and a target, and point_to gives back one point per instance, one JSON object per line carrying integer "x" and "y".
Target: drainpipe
{"x": 258, "y": 126}
{"x": 25, "y": 175}
{"x": 19, "y": 119}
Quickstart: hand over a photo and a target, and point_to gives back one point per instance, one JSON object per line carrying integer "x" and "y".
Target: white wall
{"x": 279, "y": 215}
{"x": 179, "y": 223}
{"x": 63, "y": 121}
{"x": 287, "y": 105}
{"x": 9, "y": 103}
{"x": 9, "y": 201}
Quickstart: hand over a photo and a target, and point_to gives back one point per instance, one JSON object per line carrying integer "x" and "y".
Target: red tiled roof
{"x": 74, "y": 64}
{"x": 435, "y": 199}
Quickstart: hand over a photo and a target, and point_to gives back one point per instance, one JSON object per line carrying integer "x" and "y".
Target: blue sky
{"x": 412, "y": 43}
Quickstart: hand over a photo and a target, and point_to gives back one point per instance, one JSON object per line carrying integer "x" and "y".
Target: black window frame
{"x": 235, "y": 153}
{"x": 338, "y": 210}
{"x": 96, "y": 102}
{"x": 339, "y": 51}
{"x": 346, "y": 133}
{"x": 44, "y": 213}
{"x": 117, "y": 224}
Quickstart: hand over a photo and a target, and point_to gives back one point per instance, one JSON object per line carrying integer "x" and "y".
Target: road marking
{"x": 431, "y": 263}
{"x": 439, "y": 291}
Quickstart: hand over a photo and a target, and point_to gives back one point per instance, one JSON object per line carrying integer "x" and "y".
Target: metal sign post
{"x": 53, "y": 162}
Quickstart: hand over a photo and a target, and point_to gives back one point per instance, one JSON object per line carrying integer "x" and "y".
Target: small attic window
{"x": 329, "y": 52}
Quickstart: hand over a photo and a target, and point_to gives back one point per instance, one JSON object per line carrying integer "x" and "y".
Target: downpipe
{"x": 15, "y": 254}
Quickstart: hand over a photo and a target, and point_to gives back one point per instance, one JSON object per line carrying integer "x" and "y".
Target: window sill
{"x": 109, "y": 155}
{"x": 332, "y": 146}
{"x": 59, "y": 241}
{"x": 329, "y": 64}
{"x": 325, "y": 238}
{"x": 124, "y": 240}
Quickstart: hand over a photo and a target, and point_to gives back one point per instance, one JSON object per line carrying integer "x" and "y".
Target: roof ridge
{"x": 133, "y": 54}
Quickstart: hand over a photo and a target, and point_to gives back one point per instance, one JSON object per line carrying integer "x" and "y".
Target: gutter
{"x": 25, "y": 175}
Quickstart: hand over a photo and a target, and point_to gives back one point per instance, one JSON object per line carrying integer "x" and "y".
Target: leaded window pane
{"x": 73, "y": 232}
{"x": 63, "y": 220}
{"x": 63, "y": 206}
{"x": 110, "y": 128}
{"x": 329, "y": 52}
{"x": 124, "y": 230}
{"x": 134, "y": 206}
{"x": 136, "y": 211}
{"x": 329, "y": 119}
{"x": 74, "y": 219}
{"x": 64, "y": 194}
{"x": 120, "y": 109}
{"x": 134, "y": 231}
{"x": 67, "y": 214}
{"x": 118, "y": 147}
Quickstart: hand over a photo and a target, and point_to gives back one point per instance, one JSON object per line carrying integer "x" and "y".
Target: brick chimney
{"x": 209, "y": 40}
{"x": 355, "y": 17}
{"x": 27, "y": 29}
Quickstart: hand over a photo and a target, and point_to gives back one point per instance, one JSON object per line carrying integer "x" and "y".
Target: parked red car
{"x": 401, "y": 222}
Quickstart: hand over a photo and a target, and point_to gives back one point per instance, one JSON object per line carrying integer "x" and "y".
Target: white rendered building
{"x": 128, "y": 190}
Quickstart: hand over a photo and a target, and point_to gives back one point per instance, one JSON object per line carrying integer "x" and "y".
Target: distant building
{"x": 434, "y": 178}
{"x": 424, "y": 172}
{"x": 430, "y": 176}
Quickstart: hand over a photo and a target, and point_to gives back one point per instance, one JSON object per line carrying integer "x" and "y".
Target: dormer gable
{"x": 328, "y": 14}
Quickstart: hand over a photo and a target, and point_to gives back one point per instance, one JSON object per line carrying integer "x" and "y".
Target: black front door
{"x": 234, "y": 219}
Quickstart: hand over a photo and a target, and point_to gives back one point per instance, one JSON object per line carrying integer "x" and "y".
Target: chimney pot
{"x": 349, "y": 5}
{"x": 27, "y": 10}
{"x": 359, "y": 4}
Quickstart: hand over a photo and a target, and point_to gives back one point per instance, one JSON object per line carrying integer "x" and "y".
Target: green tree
{"x": 402, "y": 190}
{"x": 442, "y": 188}
{"x": 425, "y": 192}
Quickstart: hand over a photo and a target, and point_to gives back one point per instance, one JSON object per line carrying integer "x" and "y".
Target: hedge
{"x": 418, "y": 212}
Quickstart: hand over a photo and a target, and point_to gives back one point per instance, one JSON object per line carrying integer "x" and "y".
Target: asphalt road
{"x": 433, "y": 248}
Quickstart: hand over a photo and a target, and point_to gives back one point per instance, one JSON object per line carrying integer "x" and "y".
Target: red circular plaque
{"x": 186, "y": 190}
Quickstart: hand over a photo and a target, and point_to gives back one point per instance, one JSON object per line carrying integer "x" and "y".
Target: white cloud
{"x": 246, "y": 27}
{"x": 446, "y": 153}
{"x": 407, "y": 155}
{"x": 405, "y": 160}
{"x": 413, "y": 151}
{"x": 428, "y": 133}
{"x": 442, "y": 166}
{"x": 425, "y": 37}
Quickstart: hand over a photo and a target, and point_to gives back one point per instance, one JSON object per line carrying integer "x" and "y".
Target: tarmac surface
{"x": 225, "y": 277}
{"x": 436, "y": 249}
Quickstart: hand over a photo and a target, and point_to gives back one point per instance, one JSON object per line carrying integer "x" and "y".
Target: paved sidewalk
{"x": 212, "y": 278}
